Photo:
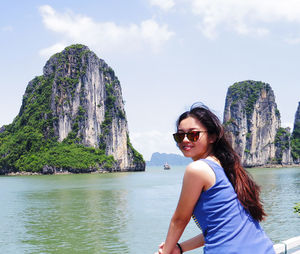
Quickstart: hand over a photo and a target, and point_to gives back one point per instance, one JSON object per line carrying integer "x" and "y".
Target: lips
{"x": 186, "y": 148}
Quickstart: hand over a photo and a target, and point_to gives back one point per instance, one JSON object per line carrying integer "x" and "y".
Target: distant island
{"x": 159, "y": 159}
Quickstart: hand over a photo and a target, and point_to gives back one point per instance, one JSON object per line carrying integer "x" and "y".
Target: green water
{"x": 119, "y": 212}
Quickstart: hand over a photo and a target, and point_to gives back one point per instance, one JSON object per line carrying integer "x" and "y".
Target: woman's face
{"x": 199, "y": 149}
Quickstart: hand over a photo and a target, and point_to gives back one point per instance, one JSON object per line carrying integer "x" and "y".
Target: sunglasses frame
{"x": 192, "y": 136}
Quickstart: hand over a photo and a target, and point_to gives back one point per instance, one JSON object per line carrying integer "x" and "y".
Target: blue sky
{"x": 167, "y": 54}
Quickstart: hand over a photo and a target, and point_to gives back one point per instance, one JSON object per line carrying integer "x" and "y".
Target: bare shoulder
{"x": 201, "y": 172}
{"x": 198, "y": 166}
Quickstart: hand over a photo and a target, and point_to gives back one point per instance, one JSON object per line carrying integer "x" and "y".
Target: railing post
{"x": 285, "y": 248}
{"x": 287, "y": 245}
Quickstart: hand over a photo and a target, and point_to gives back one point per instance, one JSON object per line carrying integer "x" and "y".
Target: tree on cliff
{"x": 296, "y": 137}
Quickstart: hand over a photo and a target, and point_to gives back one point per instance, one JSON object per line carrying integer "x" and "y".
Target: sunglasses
{"x": 192, "y": 136}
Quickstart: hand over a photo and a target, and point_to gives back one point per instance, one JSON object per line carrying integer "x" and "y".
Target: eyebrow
{"x": 191, "y": 129}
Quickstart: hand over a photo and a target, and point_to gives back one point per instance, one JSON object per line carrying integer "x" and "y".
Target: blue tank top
{"x": 226, "y": 226}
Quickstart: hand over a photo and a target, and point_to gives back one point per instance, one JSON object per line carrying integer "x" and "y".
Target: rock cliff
{"x": 252, "y": 120}
{"x": 296, "y": 137}
{"x": 77, "y": 102}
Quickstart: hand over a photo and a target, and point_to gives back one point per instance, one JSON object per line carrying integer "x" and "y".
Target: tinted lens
{"x": 193, "y": 136}
{"x": 178, "y": 137}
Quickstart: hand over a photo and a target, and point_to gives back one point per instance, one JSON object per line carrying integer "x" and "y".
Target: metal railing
{"x": 291, "y": 246}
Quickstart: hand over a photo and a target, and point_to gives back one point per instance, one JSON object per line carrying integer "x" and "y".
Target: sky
{"x": 167, "y": 54}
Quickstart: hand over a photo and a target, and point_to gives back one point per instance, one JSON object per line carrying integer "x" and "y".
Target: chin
{"x": 187, "y": 154}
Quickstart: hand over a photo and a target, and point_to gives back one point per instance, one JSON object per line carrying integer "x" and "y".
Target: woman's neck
{"x": 213, "y": 158}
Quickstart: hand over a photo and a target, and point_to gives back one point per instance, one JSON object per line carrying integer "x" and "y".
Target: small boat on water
{"x": 166, "y": 166}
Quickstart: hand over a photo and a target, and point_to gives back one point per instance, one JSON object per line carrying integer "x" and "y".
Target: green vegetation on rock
{"x": 249, "y": 91}
{"x": 109, "y": 105}
{"x": 70, "y": 157}
{"x": 295, "y": 139}
{"x": 137, "y": 157}
{"x": 282, "y": 143}
{"x": 30, "y": 144}
{"x": 229, "y": 122}
{"x": 282, "y": 138}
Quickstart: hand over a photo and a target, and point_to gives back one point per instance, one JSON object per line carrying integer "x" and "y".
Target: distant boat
{"x": 166, "y": 166}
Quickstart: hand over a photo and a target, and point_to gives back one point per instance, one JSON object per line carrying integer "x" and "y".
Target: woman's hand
{"x": 160, "y": 247}
{"x": 176, "y": 250}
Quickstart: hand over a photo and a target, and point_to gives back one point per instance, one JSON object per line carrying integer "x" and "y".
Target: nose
{"x": 185, "y": 139}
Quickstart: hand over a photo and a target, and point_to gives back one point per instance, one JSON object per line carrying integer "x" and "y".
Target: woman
{"x": 216, "y": 192}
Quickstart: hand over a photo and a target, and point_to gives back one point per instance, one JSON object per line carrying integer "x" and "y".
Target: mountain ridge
{"x": 159, "y": 159}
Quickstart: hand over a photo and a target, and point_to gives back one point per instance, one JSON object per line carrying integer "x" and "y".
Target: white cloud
{"x": 246, "y": 17}
{"x": 52, "y": 49}
{"x": 163, "y": 4}
{"x": 104, "y": 36}
{"x": 153, "y": 141}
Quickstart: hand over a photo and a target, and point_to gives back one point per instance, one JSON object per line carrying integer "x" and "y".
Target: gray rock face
{"x": 87, "y": 105}
{"x": 297, "y": 118}
{"x": 252, "y": 120}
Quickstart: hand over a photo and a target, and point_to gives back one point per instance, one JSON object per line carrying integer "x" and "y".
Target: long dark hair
{"x": 246, "y": 189}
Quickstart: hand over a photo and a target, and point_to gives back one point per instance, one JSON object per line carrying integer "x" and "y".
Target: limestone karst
{"x": 72, "y": 118}
{"x": 252, "y": 120}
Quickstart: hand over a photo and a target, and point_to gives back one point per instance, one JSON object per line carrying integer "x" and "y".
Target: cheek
{"x": 180, "y": 146}
{"x": 202, "y": 144}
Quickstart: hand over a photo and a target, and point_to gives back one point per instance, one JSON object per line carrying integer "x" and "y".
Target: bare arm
{"x": 193, "y": 243}
{"x": 193, "y": 182}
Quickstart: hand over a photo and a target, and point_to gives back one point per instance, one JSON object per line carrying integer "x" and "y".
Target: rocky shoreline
{"x": 277, "y": 166}
{"x": 25, "y": 173}
{"x": 65, "y": 172}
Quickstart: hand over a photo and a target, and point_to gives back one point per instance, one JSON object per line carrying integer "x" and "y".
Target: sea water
{"x": 119, "y": 212}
